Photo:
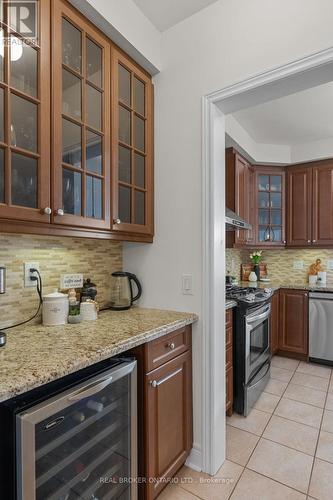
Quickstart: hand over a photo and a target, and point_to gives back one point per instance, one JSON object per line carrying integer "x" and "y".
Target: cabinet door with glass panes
{"x": 132, "y": 147}
{"x": 81, "y": 123}
{"x": 270, "y": 206}
{"x": 25, "y": 112}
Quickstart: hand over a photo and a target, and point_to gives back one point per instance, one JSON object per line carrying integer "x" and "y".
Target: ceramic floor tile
{"x": 239, "y": 445}
{"x": 207, "y": 487}
{"x": 255, "y": 422}
{"x": 286, "y": 363}
{"x": 276, "y": 387}
{"x": 283, "y": 464}
{"x": 305, "y": 395}
{"x": 293, "y": 434}
{"x": 175, "y": 492}
{"x": 329, "y": 402}
{"x": 299, "y": 412}
{"x": 325, "y": 446}
{"x": 267, "y": 402}
{"x": 311, "y": 381}
{"x": 281, "y": 374}
{"x": 314, "y": 369}
{"x": 330, "y": 388}
{"x": 253, "y": 486}
{"x": 321, "y": 485}
{"x": 327, "y": 424}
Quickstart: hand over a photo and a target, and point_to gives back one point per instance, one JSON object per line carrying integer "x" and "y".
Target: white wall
{"x": 225, "y": 43}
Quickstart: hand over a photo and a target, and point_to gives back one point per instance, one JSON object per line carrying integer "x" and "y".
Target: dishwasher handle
{"x": 321, "y": 295}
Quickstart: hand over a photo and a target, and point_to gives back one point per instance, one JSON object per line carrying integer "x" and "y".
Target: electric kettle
{"x": 122, "y": 291}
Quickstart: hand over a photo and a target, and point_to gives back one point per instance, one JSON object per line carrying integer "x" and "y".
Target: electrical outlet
{"x": 298, "y": 264}
{"x": 329, "y": 265}
{"x": 187, "y": 284}
{"x": 28, "y": 283}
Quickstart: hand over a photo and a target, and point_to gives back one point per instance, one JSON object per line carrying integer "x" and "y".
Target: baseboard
{"x": 194, "y": 460}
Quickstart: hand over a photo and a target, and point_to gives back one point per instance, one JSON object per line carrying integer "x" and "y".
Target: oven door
{"x": 257, "y": 339}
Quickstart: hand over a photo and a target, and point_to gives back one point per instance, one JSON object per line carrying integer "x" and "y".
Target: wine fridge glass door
{"x": 81, "y": 444}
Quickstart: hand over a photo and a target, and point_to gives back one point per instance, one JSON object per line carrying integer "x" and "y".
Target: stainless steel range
{"x": 251, "y": 344}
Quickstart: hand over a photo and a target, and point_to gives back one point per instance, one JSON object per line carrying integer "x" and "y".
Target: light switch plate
{"x": 298, "y": 264}
{"x": 26, "y": 274}
{"x": 187, "y": 284}
{"x": 71, "y": 281}
{"x": 329, "y": 265}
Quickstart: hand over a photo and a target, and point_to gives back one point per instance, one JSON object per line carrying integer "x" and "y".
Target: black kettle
{"x": 122, "y": 296}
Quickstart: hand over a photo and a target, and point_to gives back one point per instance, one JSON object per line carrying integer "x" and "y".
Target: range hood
{"x": 233, "y": 221}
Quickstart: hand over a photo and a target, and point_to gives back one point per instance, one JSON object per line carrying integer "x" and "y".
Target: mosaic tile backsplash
{"x": 96, "y": 259}
{"x": 280, "y": 263}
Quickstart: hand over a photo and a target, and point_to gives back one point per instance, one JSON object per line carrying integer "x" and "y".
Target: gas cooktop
{"x": 248, "y": 295}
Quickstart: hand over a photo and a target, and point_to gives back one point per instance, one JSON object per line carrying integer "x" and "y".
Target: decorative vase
{"x": 253, "y": 276}
{"x": 257, "y": 271}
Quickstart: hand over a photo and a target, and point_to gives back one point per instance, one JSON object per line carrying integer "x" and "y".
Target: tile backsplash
{"x": 96, "y": 259}
{"x": 280, "y": 263}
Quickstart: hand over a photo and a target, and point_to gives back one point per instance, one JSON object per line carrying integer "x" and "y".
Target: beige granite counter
{"x": 35, "y": 355}
{"x": 276, "y": 285}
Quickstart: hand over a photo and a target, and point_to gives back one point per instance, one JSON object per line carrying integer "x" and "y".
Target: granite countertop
{"x": 35, "y": 355}
{"x": 276, "y": 285}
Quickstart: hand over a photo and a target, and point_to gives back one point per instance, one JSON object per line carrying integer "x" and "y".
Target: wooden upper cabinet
{"x": 293, "y": 324}
{"x": 239, "y": 177}
{"x": 322, "y": 215}
{"x": 132, "y": 147}
{"x": 25, "y": 118}
{"x": 299, "y": 206}
{"x": 81, "y": 121}
{"x": 270, "y": 206}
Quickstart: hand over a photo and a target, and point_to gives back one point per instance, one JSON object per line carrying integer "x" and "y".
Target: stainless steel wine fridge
{"x": 81, "y": 443}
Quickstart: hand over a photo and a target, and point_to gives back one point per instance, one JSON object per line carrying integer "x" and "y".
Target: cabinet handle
{"x": 171, "y": 346}
{"x": 153, "y": 383}
{"x": 116, "y": 221}
{"x": 47, "y": 211}
{"x": 60, "y": 212}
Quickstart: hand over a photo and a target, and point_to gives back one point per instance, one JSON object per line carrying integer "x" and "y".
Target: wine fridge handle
{"x": 91, "y": 389}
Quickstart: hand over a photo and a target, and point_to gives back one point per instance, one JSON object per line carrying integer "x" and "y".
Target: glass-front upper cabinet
{"x": 25, "y": 111}
{"x": 270, "y": 206}
{"x": 132, "y": 147}
{"x": 81, "y": 121}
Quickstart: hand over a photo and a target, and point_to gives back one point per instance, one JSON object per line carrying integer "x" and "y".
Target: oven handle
{"x": 254, "y": 318}
{"x": 258, "y": 381}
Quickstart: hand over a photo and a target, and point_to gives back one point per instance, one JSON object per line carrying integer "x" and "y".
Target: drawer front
{"x": 164, "y": 349}
{"x": 228, "y": 338}
{"x": 228, "y": 358}
{"x": 228, "y": 318}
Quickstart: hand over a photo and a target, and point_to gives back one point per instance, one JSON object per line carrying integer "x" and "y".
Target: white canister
{"x": 55, "y": 309}
{"x": 88, "y": 311}
{"x": 322, "y": 277}
{"x": 253, "y": 277}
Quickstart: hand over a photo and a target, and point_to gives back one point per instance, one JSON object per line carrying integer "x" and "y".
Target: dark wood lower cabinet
{"x": 294, "y": 323}
{"x": 275, "y": 316}
{"x": 229, "y": 376}
{"x": 165, "y": 415}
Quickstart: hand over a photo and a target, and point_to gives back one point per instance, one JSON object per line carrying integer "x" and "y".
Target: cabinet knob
{"x": 284, "y": 242}
{"x": 314, "y": 241}
{"x": 309, "y": 241}
{"x": 47, "y": 211}
{"x": 153, "y": 383}
{"x": 116, "y": 221}
{"x": 171, "y": 346}
{"x": 60, "y": 212}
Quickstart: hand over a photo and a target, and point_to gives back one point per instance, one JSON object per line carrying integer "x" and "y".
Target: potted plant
{"x": 255, "y": 259}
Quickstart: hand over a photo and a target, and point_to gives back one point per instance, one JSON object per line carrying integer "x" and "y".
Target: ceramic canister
{"x": 55, "y": 309}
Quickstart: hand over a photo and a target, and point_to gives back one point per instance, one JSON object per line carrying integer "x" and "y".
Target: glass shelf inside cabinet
{"x": 270, "y": 208}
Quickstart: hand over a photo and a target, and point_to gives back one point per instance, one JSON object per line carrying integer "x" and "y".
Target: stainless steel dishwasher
{"x": 321, "y": 326}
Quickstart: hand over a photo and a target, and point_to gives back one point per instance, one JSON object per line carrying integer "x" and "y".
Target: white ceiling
{"x": 295, "y": 119}
{"x": 166, "y": 13}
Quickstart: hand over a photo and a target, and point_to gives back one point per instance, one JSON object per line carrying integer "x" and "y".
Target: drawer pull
{"x": 154, "y": 384}
{"x": 171, "y": 346}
